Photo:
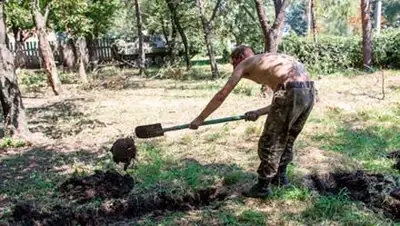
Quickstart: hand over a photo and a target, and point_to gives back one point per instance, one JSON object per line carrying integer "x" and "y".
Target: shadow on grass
{"x": 63, "y": 118}
{"x": 37, "y": 172}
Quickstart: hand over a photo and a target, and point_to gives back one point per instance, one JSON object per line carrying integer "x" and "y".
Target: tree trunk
{"x": 207, "y": 37}
{"x": 82, "y": 59}
{"x": 3, "y": 29}
{"x": 93, "y": 58}
{"x": 142, "y": 56}
{"x": 181, "y": 32}
{"x": 272, "y": 33}
{"x": 15, "y": 123}
{"x": 366, "y": 27}
{"x": 171, "y": 42}
{"x": 264, "y": 24}
{"x": 378, "y": 16}
{"x": 309, "y": 20}
{"x": 314, "y": 21}
{"x": 45, "y": 49}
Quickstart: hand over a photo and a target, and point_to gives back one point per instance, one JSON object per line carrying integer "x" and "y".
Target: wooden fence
{"x": 28, "y": 55}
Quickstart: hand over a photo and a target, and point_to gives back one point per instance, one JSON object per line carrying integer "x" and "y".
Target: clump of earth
{"x": 104, "y": 185}
{"x": 116, "y": 205}
{"x": 377, "y": 191}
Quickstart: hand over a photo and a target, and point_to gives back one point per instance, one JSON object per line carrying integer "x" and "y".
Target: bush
{"x": 333, "y": 54}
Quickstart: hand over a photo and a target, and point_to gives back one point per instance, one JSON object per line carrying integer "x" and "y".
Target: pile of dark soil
{"x": 104, "y": 185}
{"x": 118, "y": 210}
{"x": 395, "y": 155}
{"x": 377, "y": 191}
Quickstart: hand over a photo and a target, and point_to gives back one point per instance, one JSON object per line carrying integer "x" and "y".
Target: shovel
{"x": 156, "y": 130}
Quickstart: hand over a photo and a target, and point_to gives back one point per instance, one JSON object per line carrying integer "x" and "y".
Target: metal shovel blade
{"x": 148, "y": 131}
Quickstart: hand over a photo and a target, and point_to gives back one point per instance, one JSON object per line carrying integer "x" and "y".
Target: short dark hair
{"x": 242, "y": 50}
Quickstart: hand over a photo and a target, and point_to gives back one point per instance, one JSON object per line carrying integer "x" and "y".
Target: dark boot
{"x": 259, "y": 190}
{"x": 280, "y": 179}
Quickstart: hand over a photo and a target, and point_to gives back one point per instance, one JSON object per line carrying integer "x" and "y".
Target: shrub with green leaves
{"x": 334, "y": 54}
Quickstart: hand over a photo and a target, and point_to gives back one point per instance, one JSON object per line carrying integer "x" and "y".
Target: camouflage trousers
{"x": 291, "y": 105}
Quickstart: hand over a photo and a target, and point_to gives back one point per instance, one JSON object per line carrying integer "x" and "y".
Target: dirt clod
{"x": 124, "y": 150}
{"x": 103, "y": 185}
{"x": 375, "y": 190}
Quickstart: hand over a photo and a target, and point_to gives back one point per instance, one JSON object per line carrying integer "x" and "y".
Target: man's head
{"x": 240, "y": 53}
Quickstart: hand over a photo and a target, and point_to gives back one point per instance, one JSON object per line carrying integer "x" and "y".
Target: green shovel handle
{"x": 208, "y": 122}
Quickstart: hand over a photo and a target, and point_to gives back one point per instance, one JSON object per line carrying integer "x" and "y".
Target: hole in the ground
{"x": 109, "y": 185}
{"x": 377, "y": 191}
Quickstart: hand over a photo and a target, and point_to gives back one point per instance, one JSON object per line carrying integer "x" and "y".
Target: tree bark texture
{"x": 15, "y": 122}
{"x": 272, "y": 33}
{"x": 181, "y": 31}
{"x": 3, "y": 29}
{"x": 366, "y": 27}
{"x": 83, "y": 59}
{"x": 313, "y": 20}
{"x": 45, "y": 49}
{"x": 208, "y": 36}
{"x": 142, "y": 56}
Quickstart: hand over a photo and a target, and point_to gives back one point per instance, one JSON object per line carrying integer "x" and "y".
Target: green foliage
{"x": 89, "y": 18}
{"x": 296, "y": 17}
{"x": 333, "y": 54}
{"x": 8, "y": 142}
{"x": 18, "y": 14}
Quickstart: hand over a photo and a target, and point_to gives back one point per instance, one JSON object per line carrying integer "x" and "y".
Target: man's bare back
{"x": 273, "y": 69}
{"x": 270, "y": 69}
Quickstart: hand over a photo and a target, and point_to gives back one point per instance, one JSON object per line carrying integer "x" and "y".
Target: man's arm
{"x": 264, "y": 111}
{"x": 219, "y": 97}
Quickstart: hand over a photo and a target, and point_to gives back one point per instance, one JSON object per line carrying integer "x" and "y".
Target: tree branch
{"x": 280, "y": 17}
{"x": 46, "y": 12}
{"x": 247, "y": 11}
{"x": 215, "y": 11}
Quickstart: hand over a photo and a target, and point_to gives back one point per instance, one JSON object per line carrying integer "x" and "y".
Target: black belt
{"x": 291, "y": 85}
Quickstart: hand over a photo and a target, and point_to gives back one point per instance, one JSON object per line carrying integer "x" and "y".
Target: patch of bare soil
{"x": 104, "y": 185}
{"x": 377, "y": 191}
{"x": 109, "y": 185}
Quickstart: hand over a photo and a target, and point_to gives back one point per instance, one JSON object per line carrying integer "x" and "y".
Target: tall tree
{"x": 142, "y": 57}
{"x": 172, "y": 6}
{"x": 15, "y": 123}
{"x": 272, "y": 33}
{"x": 313, "y": 20}
{"x": 207, "y": 27}
{"x": 44, "y": 46}
{"x": 366, "y": 31}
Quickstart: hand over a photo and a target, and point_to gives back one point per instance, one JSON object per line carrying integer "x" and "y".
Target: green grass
{"x": 368, "y": 142}
{"x": 327, "y": 209}
{"x": 164, "y": 174}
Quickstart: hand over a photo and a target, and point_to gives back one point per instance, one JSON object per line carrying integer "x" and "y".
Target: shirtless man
{"x": 291, "y": 105}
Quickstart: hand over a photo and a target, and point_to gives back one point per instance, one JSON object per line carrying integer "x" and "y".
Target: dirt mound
{"x": 105, "y": 185}
{"x": 137, "y": 206}
{"x": 395, "y": 155}
{"x": 375, "y": 190}
{"x": 32, "y": 214}
{"x": 117, "y": 210}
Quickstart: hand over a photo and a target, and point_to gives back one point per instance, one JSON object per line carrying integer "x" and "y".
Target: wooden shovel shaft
{"x": 208, "y": 122}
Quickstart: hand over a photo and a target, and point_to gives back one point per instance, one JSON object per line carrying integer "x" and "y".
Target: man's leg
{"x": 271, "y": 145}
{"x": 294, "y": 131}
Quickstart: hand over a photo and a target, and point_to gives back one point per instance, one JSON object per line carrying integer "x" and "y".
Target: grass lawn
{"x": 351, "y": 127}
